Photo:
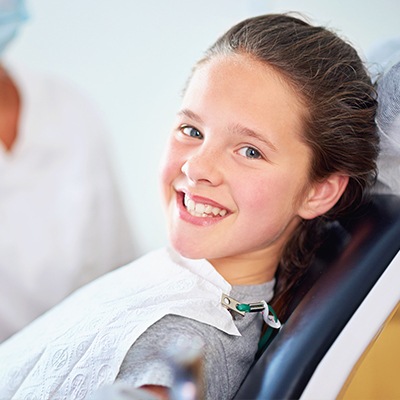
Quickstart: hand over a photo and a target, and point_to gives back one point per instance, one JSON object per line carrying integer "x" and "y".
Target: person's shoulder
{"x": 52, "y": 90}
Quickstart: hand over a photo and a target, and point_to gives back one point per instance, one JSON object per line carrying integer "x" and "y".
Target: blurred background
{"x": 132, "y": 58}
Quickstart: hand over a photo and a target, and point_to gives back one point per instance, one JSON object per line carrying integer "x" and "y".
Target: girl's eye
{"x": 250, "y": 152}
{"x": 192, "y": 132}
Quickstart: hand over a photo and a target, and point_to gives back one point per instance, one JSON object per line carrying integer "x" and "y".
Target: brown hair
{"x": 333, "y": 83}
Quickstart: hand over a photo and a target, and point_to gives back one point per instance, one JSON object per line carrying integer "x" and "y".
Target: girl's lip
{"x": 199, "y": 221}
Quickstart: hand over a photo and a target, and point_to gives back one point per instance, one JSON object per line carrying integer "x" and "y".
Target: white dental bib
{"x": 79, "y": 345}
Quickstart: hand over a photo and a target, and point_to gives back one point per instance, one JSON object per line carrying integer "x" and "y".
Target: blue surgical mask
{"x": 12, "y": 15}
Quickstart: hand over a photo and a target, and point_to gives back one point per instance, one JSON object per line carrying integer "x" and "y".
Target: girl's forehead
{"x": 246, "y": 66}
{"x": 240, "y": 81}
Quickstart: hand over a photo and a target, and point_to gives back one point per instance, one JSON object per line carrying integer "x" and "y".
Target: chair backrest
{"x": 355, "y": 255}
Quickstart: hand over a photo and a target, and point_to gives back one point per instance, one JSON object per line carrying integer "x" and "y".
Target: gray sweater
{"x": 226, "y": 359}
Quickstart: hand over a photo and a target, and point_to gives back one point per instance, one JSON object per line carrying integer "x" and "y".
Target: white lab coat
{"x": 61, "y": 217}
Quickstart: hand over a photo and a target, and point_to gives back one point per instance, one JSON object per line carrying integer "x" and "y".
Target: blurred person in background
{"x": 62, "y": 221}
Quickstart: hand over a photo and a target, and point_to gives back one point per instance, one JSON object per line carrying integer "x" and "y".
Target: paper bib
{"x": 78, "y": 346}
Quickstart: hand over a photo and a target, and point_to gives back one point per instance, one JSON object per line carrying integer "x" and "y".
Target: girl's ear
{"x": 323, "y": 196}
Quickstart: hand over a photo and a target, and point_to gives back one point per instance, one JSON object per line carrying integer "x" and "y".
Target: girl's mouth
{"x": 200, "y": 211}
{"x": 201, "y": 208}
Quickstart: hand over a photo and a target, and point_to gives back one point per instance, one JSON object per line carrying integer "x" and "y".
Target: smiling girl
{"x": 275, "y": 136}
{"x": 237, "y": 149}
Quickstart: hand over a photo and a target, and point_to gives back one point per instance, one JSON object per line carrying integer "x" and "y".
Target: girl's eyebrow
{"x": 190, "y": 114}
{"x": 241, "y": 130}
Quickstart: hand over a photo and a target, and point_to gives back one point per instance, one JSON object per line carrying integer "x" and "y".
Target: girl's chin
{"x": 191, "y": 249}
{"x": 187, "y": 251}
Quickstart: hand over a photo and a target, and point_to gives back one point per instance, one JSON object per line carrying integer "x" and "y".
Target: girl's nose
{"x": 203, "y": 167}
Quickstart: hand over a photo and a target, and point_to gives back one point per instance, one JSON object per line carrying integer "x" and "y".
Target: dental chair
{"x": 349, "y": 292}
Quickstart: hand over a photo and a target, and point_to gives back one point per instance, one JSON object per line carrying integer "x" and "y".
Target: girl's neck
{"x": 241, "y": 270}
{"x": 257, "y": 267}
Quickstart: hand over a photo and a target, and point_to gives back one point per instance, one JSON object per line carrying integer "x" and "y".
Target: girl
{"x": 275, "y": 136}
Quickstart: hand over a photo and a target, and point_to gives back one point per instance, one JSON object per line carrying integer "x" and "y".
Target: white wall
{"x": 132, "y": 58}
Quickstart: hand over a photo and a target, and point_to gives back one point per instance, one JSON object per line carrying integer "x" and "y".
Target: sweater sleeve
{"x": 226, "y": 359}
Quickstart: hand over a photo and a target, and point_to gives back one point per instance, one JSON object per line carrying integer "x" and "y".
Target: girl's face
{"x": 235, "y": 173}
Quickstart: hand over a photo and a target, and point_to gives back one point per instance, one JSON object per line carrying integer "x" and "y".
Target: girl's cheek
{"x": 170, "y": 170}
{"x": 166, "y": 160}
{"x": 255, "y": 194}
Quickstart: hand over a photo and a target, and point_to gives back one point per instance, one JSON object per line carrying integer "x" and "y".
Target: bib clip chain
{"x": 240, "y": 309}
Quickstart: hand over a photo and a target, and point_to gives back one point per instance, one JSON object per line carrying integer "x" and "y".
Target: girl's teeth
{"x": 208, "y": 209}
{"x": 190, "y": 205}
{"x": 215, "y": 210}
{"x": 185, "y": 200}
{"x": 202, "y": 210}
